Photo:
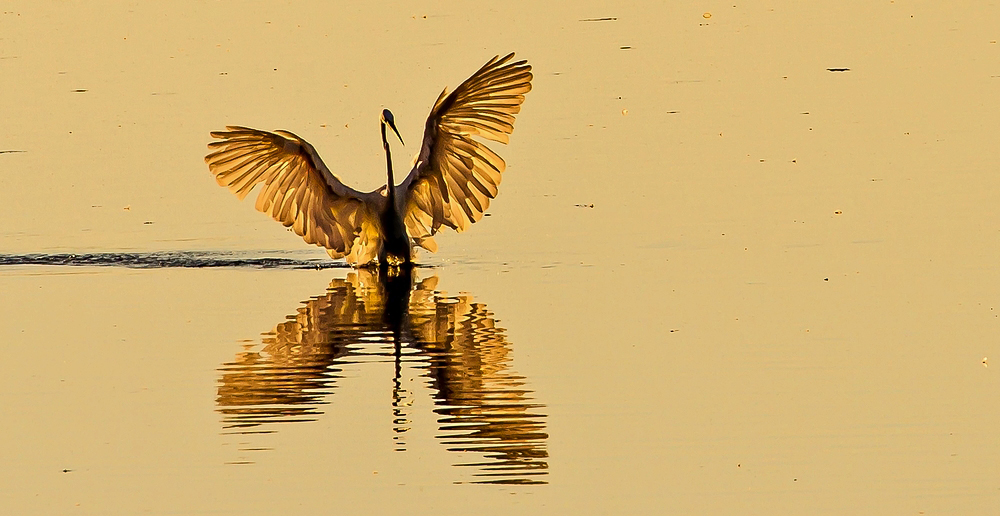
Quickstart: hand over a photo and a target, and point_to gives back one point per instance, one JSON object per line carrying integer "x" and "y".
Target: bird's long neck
{"x": 391, "y": 184}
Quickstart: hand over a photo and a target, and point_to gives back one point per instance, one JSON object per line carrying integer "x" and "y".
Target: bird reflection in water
{"x": 482, "y": 406}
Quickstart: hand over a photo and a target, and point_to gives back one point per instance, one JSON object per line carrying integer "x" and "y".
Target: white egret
{"x": 454, "y": 176}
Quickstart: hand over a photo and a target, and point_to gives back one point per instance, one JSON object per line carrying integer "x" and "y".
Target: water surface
{"x": 743, "y": 261}
{"x": 451, "y": 344}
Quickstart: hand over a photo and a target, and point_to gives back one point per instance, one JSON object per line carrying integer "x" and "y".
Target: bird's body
{"x": 451, "y": 183}
{"x": 396, "y": 247}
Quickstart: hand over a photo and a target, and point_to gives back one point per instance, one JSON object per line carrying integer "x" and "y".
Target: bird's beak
{"x": 393, "y": 126}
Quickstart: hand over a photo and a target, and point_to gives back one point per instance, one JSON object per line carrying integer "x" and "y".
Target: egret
{"x": 453, "y": 178}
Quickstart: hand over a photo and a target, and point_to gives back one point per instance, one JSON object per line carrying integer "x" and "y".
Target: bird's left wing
{"x": 298, "y": 189}
{"x": 455, "y": 176}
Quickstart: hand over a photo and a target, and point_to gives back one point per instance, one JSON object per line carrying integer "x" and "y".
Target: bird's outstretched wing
{"x": 298, "y": 188}
{"x": 455, "y": 175}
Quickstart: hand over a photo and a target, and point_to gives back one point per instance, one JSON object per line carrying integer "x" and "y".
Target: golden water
{"x": 719, "y": 278}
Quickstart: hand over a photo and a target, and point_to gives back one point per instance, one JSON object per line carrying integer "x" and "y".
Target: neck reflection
{"x": 482, "y": 406}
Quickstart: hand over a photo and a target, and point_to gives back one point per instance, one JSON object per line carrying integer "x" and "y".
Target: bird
{"x": 453, "y": 178}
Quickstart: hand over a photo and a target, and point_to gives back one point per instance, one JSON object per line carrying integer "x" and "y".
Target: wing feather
{"x": 455, "y": 176}
{"x": 298, "y": 189}
{"x": 242, "y": 185}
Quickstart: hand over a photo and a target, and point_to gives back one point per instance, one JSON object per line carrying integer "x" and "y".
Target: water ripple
{"x": 482, "y": 406}
{"x": 168, "y": 259}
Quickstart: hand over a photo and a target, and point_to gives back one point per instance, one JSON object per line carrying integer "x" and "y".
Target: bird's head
{"x": 388, "y": 120}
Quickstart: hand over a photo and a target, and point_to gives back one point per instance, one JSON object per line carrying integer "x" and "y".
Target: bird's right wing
{"x": 299, "y": 190}
{"x": 455, "y": 176}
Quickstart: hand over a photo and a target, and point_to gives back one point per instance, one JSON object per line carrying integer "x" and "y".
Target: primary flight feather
{"x": 451, "y": 183}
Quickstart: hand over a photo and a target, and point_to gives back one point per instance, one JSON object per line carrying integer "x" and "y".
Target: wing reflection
{"x": 483, "y": 407}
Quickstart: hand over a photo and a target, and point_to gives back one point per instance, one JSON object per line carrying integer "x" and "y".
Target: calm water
{"x": 743, "y": 261}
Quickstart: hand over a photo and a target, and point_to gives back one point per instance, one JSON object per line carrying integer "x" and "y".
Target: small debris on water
{"x": 838, "y": 69}
{"x": 598, "y": 19}
{"x": 584, "y": 205}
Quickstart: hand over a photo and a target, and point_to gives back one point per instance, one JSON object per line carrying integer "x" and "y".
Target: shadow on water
{"x": 168, "y": 259}
{"x": 482, "y": 406}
